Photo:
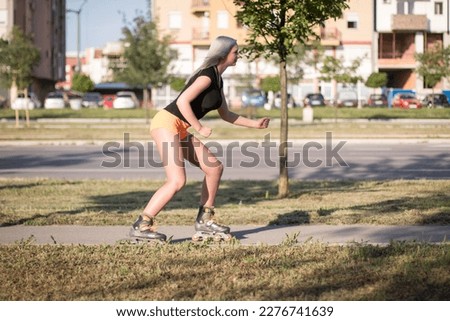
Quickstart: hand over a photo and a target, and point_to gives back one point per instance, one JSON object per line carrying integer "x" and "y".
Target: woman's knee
{"x": 177, "y": 183}
{"x": 215, "y": 170}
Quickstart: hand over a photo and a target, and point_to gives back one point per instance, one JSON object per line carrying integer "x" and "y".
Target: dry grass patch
{"x": 112, "y": 202}
{"x": 184, "y": 271}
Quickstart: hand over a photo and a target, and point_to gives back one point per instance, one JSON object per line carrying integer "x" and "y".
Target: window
{"x": 3, "y": 17}
{"x": 438, "y": 8}
{"x": 222, "y": 20}
{"x": 352, "y": 21}
{"x": 352, "y": 24}
{"x": 175, "y": 20}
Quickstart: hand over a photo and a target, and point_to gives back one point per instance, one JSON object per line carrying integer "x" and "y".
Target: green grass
{"x": 296, "y": 113}
{"x": 378, "y": 113}
{"x": 83, "y": 113}
{"x": 186, "y": 271}
{"x": 114, "y": 129}
{"x": 118, "y": 202}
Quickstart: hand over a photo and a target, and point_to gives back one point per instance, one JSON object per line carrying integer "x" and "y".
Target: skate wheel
{"x": 217, "y": 238}
{"x": 197, "y": 238}
{"x": 227, "y": 237}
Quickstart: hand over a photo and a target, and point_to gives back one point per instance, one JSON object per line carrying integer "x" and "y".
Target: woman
{"x": 202, "y": 93}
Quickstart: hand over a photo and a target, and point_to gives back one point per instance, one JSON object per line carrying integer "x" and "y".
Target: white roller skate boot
{"x": 206, "y": 228}
{"x": 144, "y": 230}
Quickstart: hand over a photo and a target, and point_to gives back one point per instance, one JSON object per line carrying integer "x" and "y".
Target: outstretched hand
{"x": 205, "y": 131}
{"x": 262, "y": 123}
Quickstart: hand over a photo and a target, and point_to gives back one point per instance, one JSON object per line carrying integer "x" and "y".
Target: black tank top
{"x": 209, "y": 99}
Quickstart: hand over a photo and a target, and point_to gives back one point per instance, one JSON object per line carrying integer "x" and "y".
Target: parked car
{"x": 406, "y": 100}
{"x": 435, "y": 100}
{"x": 253, "y": 97}
{"x": 55, "y": 100}
{"x": 290, "y": 101}
{"x": 108, "y": 101}
{"x": 92, "y": 99}
{"x": 347, "y": 98}
{"x": 21, "y": 103}
{"x": 377, "y": 100}
{"x": 125, "y": 99}
{"x": 314, "y": 100}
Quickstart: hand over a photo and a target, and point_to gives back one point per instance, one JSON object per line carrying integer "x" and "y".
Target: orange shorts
{"x": 164, "y": 119}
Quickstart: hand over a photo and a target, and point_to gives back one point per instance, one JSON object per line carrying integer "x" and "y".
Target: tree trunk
{"x": 27, "y": 112}
{"x": 145, "y": 104}
{"x": 283, "y": 182}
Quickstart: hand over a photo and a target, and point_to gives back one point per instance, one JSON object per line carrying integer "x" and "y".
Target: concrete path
{"x": 247, "y": 235}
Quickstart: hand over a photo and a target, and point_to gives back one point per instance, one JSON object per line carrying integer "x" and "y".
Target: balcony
{"x": 396, "y": 49}
{"x": 200, "y": 36}
{"x": 409, "y": 22}
{"x": 200, "y": 6}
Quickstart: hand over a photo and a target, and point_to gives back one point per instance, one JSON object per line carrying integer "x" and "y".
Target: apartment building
{"x": 347, "y": 38}
{"x": 193, "y": 24}
{"x": 384, "y": 33}
{"x": 403, "y": 28}
{"x": 44, "y": 21}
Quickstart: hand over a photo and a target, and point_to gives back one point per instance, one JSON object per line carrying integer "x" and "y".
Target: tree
{"x": 18, "y": 57}
{"x": 177, "y": 83}
{"x": 377, "y": 80}
{"x": 335, "y": 69}
{"x": 147, "y": 57}
{"x": 271, "y": 83}
{"x": 310, "y": 54}
{"x": 275, "y": 27}
{"x": 82, "y": 83}
{"x": 433, "y": 66}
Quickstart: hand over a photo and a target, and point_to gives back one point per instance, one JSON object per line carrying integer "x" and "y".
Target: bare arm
{"x": 236, "y": 119}
{"x": 184, "y": 104}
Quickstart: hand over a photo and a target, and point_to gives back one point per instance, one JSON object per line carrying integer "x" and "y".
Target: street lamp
{"x": 78, "y": 12}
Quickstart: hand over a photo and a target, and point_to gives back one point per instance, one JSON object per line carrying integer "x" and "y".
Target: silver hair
{"x": 219, "y": 49}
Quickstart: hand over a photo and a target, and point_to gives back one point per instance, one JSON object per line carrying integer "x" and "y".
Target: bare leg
{"x": 170, "y": 150}
{"x": 199, "y": 155}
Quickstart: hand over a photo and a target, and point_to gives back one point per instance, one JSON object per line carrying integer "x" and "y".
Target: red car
{"x": 406, "y": 100}
{"x": 108, "y": 101}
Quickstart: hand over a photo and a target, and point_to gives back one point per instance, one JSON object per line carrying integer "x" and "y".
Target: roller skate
{"x": 144, "y": 230}
{"x": 207, "y": 229}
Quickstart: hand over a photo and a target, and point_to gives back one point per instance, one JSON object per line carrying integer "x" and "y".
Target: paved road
{"x": 309, "y": 160}
{"x": 247, "y": 235}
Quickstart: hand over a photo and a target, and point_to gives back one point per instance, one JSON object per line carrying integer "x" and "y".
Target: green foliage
{"x": 271, "y": 84}
{"x": 18, "y": 57}
{"x": 82, "y": 83}
{"x": 147, "y": 55}
{"x": 433, "y": 65}
{"x": 377, "y": 80}
{"x": 276, "y": 26}
{"x": 310, "y": 54}
{"x": 177, "y": 83}
{"x": 334, "y": 69}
